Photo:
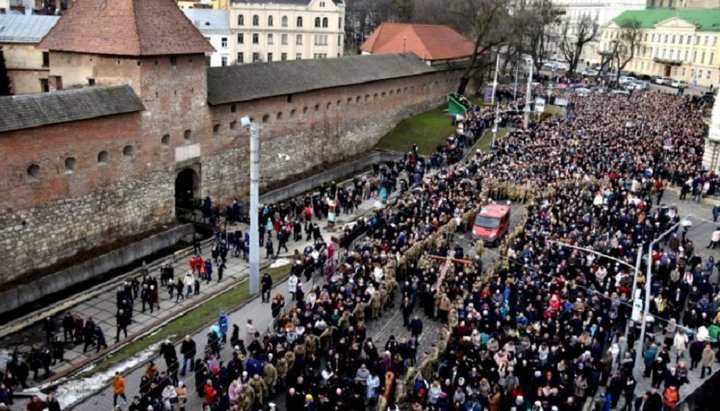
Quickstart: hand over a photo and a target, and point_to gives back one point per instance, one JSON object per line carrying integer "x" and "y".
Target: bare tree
{"x": 535, "y": 25}
{"x": 573, "y": 42}
{"x": 623, "y": 48}
{"x": 488, "y": 23}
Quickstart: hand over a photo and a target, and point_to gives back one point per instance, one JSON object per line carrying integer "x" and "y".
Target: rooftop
{"x": 126, "y": 28}
{"x": 293, "y": 2}
{"x": 427, "y": 41}
{"x": 259, "y": 80}
{"x": 209, "y": 21}
{"x": 35, "y": 110}
{"x": 20, "y": 28}
{"x": 703, "y": 19}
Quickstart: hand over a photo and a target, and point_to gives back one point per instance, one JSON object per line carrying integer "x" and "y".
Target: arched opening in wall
{"x": 187, "y": 189}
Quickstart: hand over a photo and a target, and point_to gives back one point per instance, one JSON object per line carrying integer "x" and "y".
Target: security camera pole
{"x": 254, "y": 194}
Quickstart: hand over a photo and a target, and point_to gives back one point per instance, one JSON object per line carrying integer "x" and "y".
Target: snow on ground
{"x": 74, "y": 389}
{"x": 280, "y": 262}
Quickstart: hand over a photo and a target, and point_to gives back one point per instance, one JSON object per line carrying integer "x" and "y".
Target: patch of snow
{"x": 280, "y": 262}
{"x": 72, "y": 390}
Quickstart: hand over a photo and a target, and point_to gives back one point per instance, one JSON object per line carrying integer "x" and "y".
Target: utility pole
{"x": 497, "y": 67}
{"x": 528, "y": 94}
{"x": 254, "y": 276}
{"x": 515, "y": 89}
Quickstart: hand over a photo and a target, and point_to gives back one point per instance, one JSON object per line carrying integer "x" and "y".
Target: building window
{"x": 270, "y": 21}
{"x": 233, "y": 108}
{"x": 165, "y": 140}
{"x": 298, "y": 40}
{"x": 256, "y": 57}
{"x": 256, "y": 38}
{"x": 708, "y": 75}
{"x": 694, "y": 56}
{"x": 672, "y": 39}
{"x": 103, "y": 156}
{"x": 216, "y": 129}
{"x": 283, "y": 56}
{"x": 270, "y": 39}
{"x": 712, "y": 57}
{"x": 46, "y": 58}
{"x": 69, "y": 165}
{"x": 33, "y": 172}
{"x": 305, "y": 109}
{"x": 321, "y": 40}
{"x": 269, "y": 57}
{"x": 686, "y": 55}
{"x": 128, "y": 152}
{"x": 256, "y": 20}
{"x": 241, "y": 20}
{"x": 322, "y": 4}
{"x": 299, "y": 22}
{"x": 223, "y": 61}
{"x": 292, "y": 113}
{"x": 265, "y": 118}
{"x": 241, "y": 38}
{"x": 44, "y": 86}
{"x": 283, "y": 39}
{"x": 317, "y": 107}
{"x": 699, "y": 73}
{"x": 284, "y": 21}
{"x": 187, "y": 134}
{"x": 241, "y": 58}
{"x": 340, "y": 22}
{"x": 173, "y": 61}
{"x": 317, "y": 21}
{"x": 223, "y": 42}
{"x": 325, "y": 22}
{"x": 233, "y": 125}
{"x": 91, "y": 82}
{"x": 279, "y": 115}
{"x": 298, "y": 56}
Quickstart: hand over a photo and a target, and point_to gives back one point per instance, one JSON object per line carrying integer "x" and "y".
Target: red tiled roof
{"x": 126, "y": 28}
{"x": 427, "y": 41}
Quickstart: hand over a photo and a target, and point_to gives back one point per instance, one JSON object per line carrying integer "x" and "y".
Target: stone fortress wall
{"x": 103, "y": 180}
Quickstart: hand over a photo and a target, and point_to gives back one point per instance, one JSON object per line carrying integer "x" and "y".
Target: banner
{"x": 488, "y": 93}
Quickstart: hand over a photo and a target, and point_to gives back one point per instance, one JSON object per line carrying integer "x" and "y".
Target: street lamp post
{"x": 515, "y": 89}
{"x": 495, "y": 82}
{"x": 528, "y": 94}
{"x": 254, "y": 275}
{"x": 648, "y": 281}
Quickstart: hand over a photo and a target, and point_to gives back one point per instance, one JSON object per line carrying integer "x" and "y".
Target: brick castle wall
{"x": 103, "y": 199}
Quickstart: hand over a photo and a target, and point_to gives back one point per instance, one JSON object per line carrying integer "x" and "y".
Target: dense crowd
{"x": 545, "y": 329}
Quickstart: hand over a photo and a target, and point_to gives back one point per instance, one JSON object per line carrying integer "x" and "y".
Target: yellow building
{"x": 285, "y": 30}
{"x": 681, "y": 44}
{"x": 27, "y": 65}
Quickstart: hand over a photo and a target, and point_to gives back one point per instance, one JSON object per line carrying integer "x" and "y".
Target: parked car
{"x": 624, "y": 80}
{"x": 662, "y": 80}
{"x": 636, "y": 85}
{"x": 678, "y": 84}
{"x": 588, "y": 72}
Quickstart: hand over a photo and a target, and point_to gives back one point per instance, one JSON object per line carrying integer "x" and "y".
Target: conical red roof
{"x": 126, "y": 28}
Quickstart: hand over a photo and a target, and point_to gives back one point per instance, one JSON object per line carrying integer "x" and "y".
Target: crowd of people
{"x": 546, "y": 328}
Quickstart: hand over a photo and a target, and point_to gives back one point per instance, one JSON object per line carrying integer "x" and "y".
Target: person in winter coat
{"x": 292, "y": 285}
{"x": 708, "y": 358}
{"x": 680, "y": 343}
{"x": 118, "y": 386}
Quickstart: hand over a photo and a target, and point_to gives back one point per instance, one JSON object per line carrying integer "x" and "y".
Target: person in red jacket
{"x": 210, "y": 393}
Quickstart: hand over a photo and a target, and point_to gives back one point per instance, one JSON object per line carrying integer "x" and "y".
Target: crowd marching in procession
{"x": 545, "y": 328}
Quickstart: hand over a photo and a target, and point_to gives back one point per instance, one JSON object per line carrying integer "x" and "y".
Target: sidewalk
{"x": 102, "y": 308}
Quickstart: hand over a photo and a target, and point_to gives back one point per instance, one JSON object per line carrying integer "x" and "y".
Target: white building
{"x": 215, "y": 26}
{"x": 602, "y": 11}
{"x": 271, "y": 30}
